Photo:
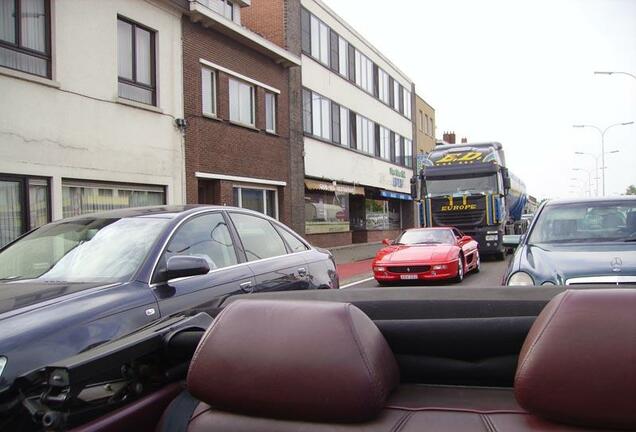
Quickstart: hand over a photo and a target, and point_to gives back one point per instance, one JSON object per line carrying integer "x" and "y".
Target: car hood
{"x": 417, "y": 253}
{"x": 558, "y": 263}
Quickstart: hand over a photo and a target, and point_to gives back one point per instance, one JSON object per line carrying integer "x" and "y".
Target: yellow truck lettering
{"x": 459, "y": 207}
{"x": 460, "y": 158}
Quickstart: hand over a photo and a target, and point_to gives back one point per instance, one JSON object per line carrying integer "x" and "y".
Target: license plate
{"x": 408, "y": 277}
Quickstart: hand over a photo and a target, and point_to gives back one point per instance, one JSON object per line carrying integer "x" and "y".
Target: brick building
{"x": 242, "y": 145}
{"x": 358, "y": 124}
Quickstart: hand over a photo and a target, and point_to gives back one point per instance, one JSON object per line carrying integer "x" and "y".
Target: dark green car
{"x": 575, "y": 242}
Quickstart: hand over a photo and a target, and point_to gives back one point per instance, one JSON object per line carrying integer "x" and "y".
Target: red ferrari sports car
{"x": 427, "y": 254}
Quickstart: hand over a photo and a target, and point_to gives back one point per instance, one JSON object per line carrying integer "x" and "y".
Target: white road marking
{"x": 356, "y": 283}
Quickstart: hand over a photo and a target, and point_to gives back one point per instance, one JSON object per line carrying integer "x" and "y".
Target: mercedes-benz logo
{"x": 617, "y": 265}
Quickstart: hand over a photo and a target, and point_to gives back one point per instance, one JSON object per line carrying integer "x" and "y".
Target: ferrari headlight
{"x": 379, "y": 269}
{"x": 3, "y": 363}
{"x": 520, "y": 279}
{"x": 440, "y": 267}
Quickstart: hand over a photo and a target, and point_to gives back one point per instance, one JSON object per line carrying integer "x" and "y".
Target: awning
{"x": 329, "y": 187}
{"x": 396, "y": 195}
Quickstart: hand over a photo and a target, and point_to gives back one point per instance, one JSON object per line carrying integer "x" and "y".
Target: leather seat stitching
{"x": 543, "y": 330}
{"x": 468, "y": 410}
{"x": 354, "y": 333}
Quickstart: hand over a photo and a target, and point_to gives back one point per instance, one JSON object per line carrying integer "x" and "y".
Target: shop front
{"x": 382, "y": 214}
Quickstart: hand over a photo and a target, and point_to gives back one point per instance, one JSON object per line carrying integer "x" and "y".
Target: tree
{"x": 631, "y": 190}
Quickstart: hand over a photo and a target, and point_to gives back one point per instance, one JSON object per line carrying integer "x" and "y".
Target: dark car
{"x": 575, "y": 242}
{"x": 77, "y": 283}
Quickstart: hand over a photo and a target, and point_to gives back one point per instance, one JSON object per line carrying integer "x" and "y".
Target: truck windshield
{"x": 449, "y": 186}
{"x": 85, "y": 250}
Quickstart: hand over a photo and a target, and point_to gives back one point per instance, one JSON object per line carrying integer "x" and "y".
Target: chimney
{"x": 449, "y": 137}
{"x": 464, "y": 140}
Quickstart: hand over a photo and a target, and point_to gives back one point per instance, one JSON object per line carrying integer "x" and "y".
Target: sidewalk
{"x": 354, "y": 261}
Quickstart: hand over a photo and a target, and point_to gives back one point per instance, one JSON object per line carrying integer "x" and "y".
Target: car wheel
{"x": 460, "y": 270}
{"x": 478, "y": 266}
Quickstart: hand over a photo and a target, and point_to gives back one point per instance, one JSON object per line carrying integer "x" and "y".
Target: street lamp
{"x": 615, "y": 72}
{"x": 595, "y": 157}
{"x": 603, "y": 132}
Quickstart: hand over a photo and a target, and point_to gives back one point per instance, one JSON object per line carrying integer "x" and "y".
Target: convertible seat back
{"x": 314, "y": 366}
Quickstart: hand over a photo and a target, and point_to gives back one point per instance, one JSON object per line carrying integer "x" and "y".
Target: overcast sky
{"x": 520, "y": 73}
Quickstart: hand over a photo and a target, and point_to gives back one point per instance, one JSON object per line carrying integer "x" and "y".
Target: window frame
{"x": 153, "y": 61}
{"x": 213, "y": 91}
{"x": 264, "y": 190}
{"x": 280, "y": 228}
{"x": 20, "y": 49}
{"x": 25, "y": 216}
{"x": 274, "y": 108}
{"x": 252, "y": 101}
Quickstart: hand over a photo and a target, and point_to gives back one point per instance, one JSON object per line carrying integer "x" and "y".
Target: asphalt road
{"x": 489, "y": 276}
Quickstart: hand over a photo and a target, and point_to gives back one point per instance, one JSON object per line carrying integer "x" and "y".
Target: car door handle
{"x": 247, "y": 287}
{"x": 302, "y": 272}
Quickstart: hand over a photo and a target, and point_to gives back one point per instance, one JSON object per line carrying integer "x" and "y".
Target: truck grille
{"x": 465, "y": 218}
{"x": 409, "y": 269}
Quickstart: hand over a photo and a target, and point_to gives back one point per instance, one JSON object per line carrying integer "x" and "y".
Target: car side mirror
{"x": 466, "y": 239}
{"x": 387, "y": 242}
{"x": 511, "y": 241}
{"x": 184, "y": 266}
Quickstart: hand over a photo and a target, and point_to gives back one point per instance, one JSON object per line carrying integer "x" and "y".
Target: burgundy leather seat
{"x": 314, "y": 366}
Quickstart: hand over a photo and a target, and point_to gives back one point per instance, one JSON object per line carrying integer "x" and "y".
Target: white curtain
{"x": 7, "y": 20}
{"x": 33, "y": 25}
{"x": 11, "y": 225}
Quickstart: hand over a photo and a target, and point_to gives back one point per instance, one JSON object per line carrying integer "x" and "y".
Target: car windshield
{"x": 436, "y": 236}
{"x": 449, "y": 186}
{"x": 83, "y": 250}
{"x": 585, "y": 222}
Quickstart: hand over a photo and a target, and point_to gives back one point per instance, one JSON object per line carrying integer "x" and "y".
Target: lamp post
{"x": 603, "y": 132}
{"x": 595, "y": 157}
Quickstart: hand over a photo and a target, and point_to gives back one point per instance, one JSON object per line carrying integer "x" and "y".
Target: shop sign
{"x": 398, "y": 177}
{"x": 334, "y": 187}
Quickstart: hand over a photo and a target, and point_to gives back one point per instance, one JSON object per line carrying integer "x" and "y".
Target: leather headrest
{"x": 297, "y": 360}
{"x": 578, "y": 363}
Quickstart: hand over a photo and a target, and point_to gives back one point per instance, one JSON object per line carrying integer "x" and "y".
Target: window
{"x": 321, "y": 116}
{"x": 270, "y": 112}
{"x": 136, "y": 62}
{"x": 208, "y": 91}
{"x": 408, "y": 153}
{"x": 335, "y": 123}
{"x": 365, "y": 134}
{"x": 25, "y": 34}
{"x": 383, "y": 86}
{"x": 399, "y": 153}
{"x": 425, "y": 120}
{"x": 241, "y": 102}
{"x": 420, "y": 121}
{"x": 364, "y": 72}
{"x": 222, "y": 7}
{"x": 24, "y": 205}
{"x": 326, "y": 212}
{"x": 396, "y": 95}
{"x": 206, "y": 237}
{"x": 381, "y": 215}
{"x": 295, "y": 244}
{"x": 407, "y": 103}
{"x": 319, "y": 40}
{"x": 342, "y": 57}
{"x": 431, "y": 127}
{"x": 385, "y": 143}
{"x": 305, "y": 26}
{"x": 261, "y": 200}
{"x": 259, "y": 238}
{"x": 80, "y": 198}
{"x": 344, "y": 126}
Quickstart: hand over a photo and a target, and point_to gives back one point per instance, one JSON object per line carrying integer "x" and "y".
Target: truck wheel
{"x": 460, "y": 270}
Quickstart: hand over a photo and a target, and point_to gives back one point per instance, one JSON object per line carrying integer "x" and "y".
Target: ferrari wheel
{"x": 460, "y": 270}
{"x": 478, "y": 266}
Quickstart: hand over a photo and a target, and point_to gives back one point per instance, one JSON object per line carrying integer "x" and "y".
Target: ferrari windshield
{"x": 431, "y": 236}
{"x": 586, "y": 222}
{"x": 83, "y": 250}
{"x": 449, "y": 186}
